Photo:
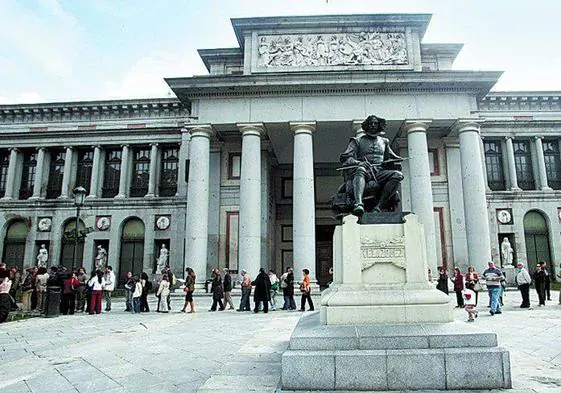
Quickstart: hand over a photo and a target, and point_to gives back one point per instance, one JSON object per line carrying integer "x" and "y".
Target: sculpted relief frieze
{"x": 336, "y": 49}
{"x": 387, "y": 251}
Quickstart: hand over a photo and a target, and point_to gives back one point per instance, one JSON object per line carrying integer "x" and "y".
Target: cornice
{"x": 92, "y": 111}
{"x": 521, "y": 101}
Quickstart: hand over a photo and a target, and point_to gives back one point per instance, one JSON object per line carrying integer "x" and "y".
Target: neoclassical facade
{"x": 238, "y": 170}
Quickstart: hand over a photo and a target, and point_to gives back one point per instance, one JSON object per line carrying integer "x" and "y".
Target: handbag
{"x": 477, "y": 287}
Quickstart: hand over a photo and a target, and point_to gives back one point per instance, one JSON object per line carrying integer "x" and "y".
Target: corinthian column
{"x": 196, "y": 231}
{"x": 96, "y": 167}
{"x": 541, "y": 164}
{"x": 420, "y": 183}
{"x": 250, "y": 199}
{"x": 67, "y": 174}
{"x": 303, "y": 199}
{"x": 11, "y": 177}
{"x": 153, "y": 169}
{"x": 124, "y": 178}
{"x": 511, "y": 165}
{"x": 38, "y": 182}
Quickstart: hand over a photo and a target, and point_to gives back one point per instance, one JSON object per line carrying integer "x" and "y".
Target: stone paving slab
{"x": 119, "y": 352}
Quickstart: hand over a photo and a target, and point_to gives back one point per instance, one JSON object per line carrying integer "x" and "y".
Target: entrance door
{"x": 132, "y": 248}
{"x": 68, "y": 242}
{"x": 324, "y": 254}
{"x": 536, "y": 234}
{"x": 14, "y": 244}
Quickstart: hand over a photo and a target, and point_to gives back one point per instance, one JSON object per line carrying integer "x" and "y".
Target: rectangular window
{"x": 523, "y": 165}
{"x": 56, "y": 172}
{"x": 552, "y": 163}
{"x": 28, "y": 175}
{"x": 169, "y": 171}
{"x": 286, "y": 188}
{"x": 4, "y": 165}
{"x": 234, "y": 165}
{"x": 494, "y": 165}
{"x": 433, "y": 162}
{"x": 85, "y": 166}
{"x": 112, "y": 173}
{"x": 232, "y": 232}
{"x": 141, "y": 172}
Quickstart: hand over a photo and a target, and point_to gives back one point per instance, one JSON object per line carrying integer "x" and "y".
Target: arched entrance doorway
{"x": 14, "y": 244}
{"x": 68, "y": 243}
{"x": 132, "y": 248}
{"x": 536, "y": 233}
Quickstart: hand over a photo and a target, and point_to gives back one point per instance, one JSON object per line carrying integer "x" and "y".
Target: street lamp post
{"x": 79, "y": 195}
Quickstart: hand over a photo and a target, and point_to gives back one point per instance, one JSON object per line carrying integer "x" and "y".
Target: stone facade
{"x": 257, "y": 141}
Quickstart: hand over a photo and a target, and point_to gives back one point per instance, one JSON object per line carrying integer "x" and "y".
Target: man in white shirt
{"x": 109, "y": 287}
{"x": 523, "y": 280}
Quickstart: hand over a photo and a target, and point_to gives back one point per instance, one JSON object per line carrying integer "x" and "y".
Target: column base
{"x": 63, "y": 197}
{"x": 120, "y": 196}
{"x": 91, "y": 196}
{"x": 517, "y": 189}
{"x": 34, "y": 198}
{"x": 6, "y": 199}
{"x": 149, "y": 196}
{"x": 547, "y": 189}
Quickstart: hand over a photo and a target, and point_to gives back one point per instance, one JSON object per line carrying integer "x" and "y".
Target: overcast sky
{"x": 66, "y": 50}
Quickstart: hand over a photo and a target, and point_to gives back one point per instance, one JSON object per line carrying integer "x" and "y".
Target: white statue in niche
{"x": 162, "y": 258}
{"x": 507, "y": 252}
{"x": 43, "y": 256}
{"x": 100, "y": 258}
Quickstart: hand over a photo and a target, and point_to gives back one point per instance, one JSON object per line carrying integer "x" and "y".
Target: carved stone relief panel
{"x": 380, "y": 251}
{"x": 333, "y": 49}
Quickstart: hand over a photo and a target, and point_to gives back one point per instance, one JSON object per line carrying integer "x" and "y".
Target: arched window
{"x": 14, "y": 244}
{"x": 132, "y": 247}
{"x": 536, "y": 234}
{"x": 68, "y": 242}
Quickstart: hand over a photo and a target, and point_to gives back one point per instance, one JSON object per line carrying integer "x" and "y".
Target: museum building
{"x": 239, "y": 169}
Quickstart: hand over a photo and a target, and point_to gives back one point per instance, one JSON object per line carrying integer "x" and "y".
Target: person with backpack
{"x": 146, "y": 286}
{"x": 287, "y": 286}
{"x": 275, "y": 285}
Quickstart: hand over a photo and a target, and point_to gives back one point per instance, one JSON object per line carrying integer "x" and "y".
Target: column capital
{"x": 302, "y": 127}
{"x": 16, "y": 149}
{"x": 415, "y": 125}
{"x": 43, "y": 148}
{"x": 508, "y": 137}
{"x": 125, "y": 145}
{"x": 536, "y": 137}
{"x": 154, "y": 144}
{"x": 204, "y": 130}
{"x": 465, "y": 125}
{"x": 451, "y": 142}
{"x": 257, "y": 129}
{"x": 97, "y": 147}
{"x": 68, "y": 147}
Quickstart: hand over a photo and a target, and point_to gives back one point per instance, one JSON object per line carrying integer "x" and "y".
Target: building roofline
{"x": 96, "y": 103}
{"x": 207, "y": 54}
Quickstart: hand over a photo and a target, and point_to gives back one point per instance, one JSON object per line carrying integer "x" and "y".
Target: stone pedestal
{"x": 382, "y": 326}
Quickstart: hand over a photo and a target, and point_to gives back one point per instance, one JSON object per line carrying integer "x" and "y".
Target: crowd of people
{"x": 467, "y": 288}
{"x": 82, "y": 293}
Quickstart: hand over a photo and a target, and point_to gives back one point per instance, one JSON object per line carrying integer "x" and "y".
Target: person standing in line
{"x": 146, "y": 286}
{"x": 81, "y": 293}
{"x": 306, "y": 290}
{"x": 137, "y": 295}
{"x": 162, "y": 295}
{"x": 109, "y": 287}
{"x": 246, "y": 291}
{"x": 275, "y": 285}
{"x": 442, "y": 284}
{"x": 493, "y": 277}
{"x": 539, "y": 282}
{"x": 97, "y": 283}
{"x": 472, "y": 282}
{"x": 458, "y": 287}
{"x": 27, "y": 289}
{"x": 5, "y": 299}
{"x": 523, "y": 281}
{"x": 217, "y": 290}
{"x": 89, "y": 289}
{"x": 287, "y": 285}
{"x": 227, "y": 284}
{"x": 71, "y": 285}
{"x": 41, "y": 284}
{"x": 547, "y": 283}
{"x": 130, "y": 286}
{"x": 189, "y": 289}
{"x": 262, "y": 289}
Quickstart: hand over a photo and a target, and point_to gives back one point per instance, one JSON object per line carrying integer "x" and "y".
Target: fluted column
{"x": 475, "y": 202}
{"x": 541, "y": 163}
{"x": 67, "y": 174}
{"x": 511, "y": 165}
{"x": 196, "y": 230}
{"x": 96, "y": 167}
{"x": 124, "y": 178}
{"x": 153, "y": 171}
{"x": 38, "y": 182}
{"x": 182, "y": 168}
{"x": 303, "y": 200}
{"x": 250, "y": 199}
{"x": 11, "y": 177}
{"x": 420, "y": 183}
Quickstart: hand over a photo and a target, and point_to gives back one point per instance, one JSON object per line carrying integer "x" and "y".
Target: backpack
{"x": 275, "y": 286}
{"x": 148, "y": 285}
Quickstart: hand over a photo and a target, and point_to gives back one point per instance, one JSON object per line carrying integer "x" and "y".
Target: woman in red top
{"x": 472, "y": 278}
{"x": 68, "y": 304}
{"x": 306, "y": 290}
{"x": 458, "y": 287}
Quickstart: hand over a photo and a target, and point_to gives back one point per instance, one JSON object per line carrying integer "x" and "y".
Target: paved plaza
{"x": 222, "y": 351}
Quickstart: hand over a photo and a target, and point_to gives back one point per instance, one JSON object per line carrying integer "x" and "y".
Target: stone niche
{"x": 382, "y": 326}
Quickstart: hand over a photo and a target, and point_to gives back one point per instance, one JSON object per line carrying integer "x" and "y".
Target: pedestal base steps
{"x": 429, "y": 356}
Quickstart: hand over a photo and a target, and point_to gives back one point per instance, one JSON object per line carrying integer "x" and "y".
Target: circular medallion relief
{"x": 103, "y": 223}
{"x": 162, "y": 223}
{"x": 504, "y": 216}
{"x": 44, "y": 224}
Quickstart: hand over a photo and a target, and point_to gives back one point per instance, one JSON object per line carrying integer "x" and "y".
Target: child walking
{"x": 469, "y": 302}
